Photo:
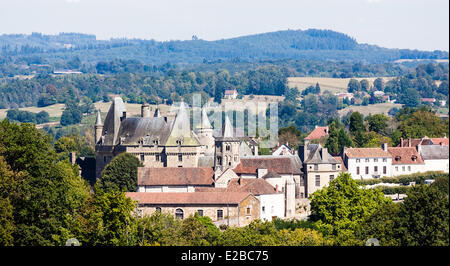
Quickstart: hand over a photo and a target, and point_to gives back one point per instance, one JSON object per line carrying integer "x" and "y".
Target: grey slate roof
{"x": 434, "y": 152}
{"x": 112, "y": 121}
{"x": 315, "y": 155}
{"x": 148, "y": 129}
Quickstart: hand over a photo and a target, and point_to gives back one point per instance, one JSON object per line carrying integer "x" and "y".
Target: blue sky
{"x": 414, "y": 24}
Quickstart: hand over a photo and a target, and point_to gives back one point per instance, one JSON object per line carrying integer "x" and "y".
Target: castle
{"x": 158, "y": 142}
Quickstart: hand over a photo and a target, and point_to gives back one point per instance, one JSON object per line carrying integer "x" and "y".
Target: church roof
{"x": 204, "y": 123}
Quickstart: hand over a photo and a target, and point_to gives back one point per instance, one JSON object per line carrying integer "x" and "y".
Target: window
{"x": 157, "y": 157}
{"x": 302, "y": 195}
{"x": 357, "y": 170}
{"x": 316, "y": 167}
{"x": 396, "y": 168}
{"x": 367, "y": 170}
{"x": 179, "y": 214}
{"x": 180, "y": 158}
{"x": 219, "y": 160}
{"x": 375, "y": 169}
{"x": 384, "y": 160}
{"x": 263, "y": 209}
{"x": 228, "y": 147}
{"x": 219, "y": 214}
{"x": 384, "y": 169}
{"x": 236, "y": 158}
{"x": 375, "y": 160}
{"x": 317, "y": 180}
{"x": 409, "y": 168}
{"x": 158, "y": 209}
{"x": 302, "y": 181}
{"x": 178, "y": 142}
{"x": 358, "y": 160}
{"x": 333, "y": 166}
{"x": 331, "y": 177}
{"x": 367, "y": 160}
{"x": 248, "y": 211}
{"x": 200, "y": 213}
{"x": 155, "y": 142}
{"x": 403, "y": 168}
{"x": 104, "y": 159}
{"x": 142, "y": 157}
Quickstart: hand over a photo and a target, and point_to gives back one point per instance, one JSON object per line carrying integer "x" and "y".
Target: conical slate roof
{"x": 204, "y": 121}
{"x": 227, "y": 131}
{"x": 98, "y": 121}
{"x": 181, "y": 129}
{"x": 112, "y": 121}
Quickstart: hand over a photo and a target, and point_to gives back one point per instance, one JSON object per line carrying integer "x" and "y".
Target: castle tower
{"x": 157, "y": 113}
{"x": 226, "y": 148}
{"x": 204, "y": 132}
{"x": 98, "y": 127}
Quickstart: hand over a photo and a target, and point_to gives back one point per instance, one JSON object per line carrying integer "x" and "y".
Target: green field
{"x": 379, "y": 108}
{"x": 334, "y": 85}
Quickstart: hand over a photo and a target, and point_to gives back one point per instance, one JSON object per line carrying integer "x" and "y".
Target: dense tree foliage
{"x": 120, "y": 173}
{"x": 27, "y": 117}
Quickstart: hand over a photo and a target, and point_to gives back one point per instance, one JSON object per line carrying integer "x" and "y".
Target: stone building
{"x": 319, "y": 168}
{"x": 366, "y": 163}
{"x": 230, "y": 208}
{"x": 152, "y": 139}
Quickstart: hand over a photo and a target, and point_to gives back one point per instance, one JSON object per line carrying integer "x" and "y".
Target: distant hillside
{"x": 289, "y": 44}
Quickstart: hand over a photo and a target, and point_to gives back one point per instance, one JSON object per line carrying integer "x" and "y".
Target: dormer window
{"x": 397, "y": 158}
{"x": 156, "y": 142}
{"x": 179, "y": 142}
{"x": 414, "y": 158}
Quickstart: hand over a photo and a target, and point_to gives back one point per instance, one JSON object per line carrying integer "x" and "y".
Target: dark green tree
{"x": 120, "y": 173}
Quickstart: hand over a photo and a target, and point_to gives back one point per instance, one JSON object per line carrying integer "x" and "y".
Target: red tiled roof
{"x": 438, "y": 141}
{"x": 255, "y": 186}
{"x": 318, "y": 133}
{"x": 280, "y": 165}
{"x": 339, "y": 159}
{"x": 206, "y": 198}
{"x": 428, "y": 100}
{"x": 175, "y": 176}
{"x": 424, "y": 141}
{"x": 366, "y": 153}
{"x": 405, "y": 155}
{"x": 229, "y": 92}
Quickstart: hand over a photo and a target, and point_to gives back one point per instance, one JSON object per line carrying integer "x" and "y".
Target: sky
{"x": 412, "y": 24}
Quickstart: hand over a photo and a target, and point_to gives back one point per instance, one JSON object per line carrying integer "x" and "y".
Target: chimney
{"x": 409, "y": 142}
{"x": 384, "y": 146}
{"x": 324, "y": 154}
{"x": 145, "y": 110}
{"x": 401, "y": 142}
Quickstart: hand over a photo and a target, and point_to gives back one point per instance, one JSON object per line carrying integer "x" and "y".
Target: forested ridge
{"x": 287, "y": 44}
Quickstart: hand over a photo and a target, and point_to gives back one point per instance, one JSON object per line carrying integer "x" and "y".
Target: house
{"x": 344, "y": 95}
{"x": 423, "y": 141}
{"x": 364, "y": 163}
{"x": 230, "y": 94}
{"x": 319, "y": 168}
{"x": 435, "y": 157}
{"x": 406, "y": 160}
{"x": 319, "y": 133}
{"x": 428, "y": 100}
{"x": 283, "y": 172}
{"x": 174, "y": 179}
{"x": 231, "y": 208}
{"x": 272, "y": 203}
{"x": 378, "y": 93}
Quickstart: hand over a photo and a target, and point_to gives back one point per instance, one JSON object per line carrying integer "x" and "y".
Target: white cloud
{"x": 72, "y": 1}
{"x": 373, "y": 1}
